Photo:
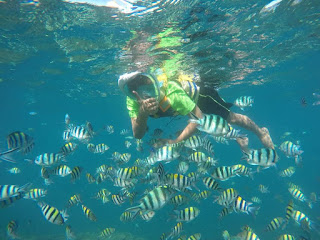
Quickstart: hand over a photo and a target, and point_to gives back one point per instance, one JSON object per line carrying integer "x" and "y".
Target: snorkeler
{"x": 156, "y": 96}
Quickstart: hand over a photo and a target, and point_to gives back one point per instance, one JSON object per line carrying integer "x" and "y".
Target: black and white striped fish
{"x": 188, "y": 214}
{"x": 244, "y": 101}
{"x": 48, "y": 159}
{"x": 7, "y": 191}
{"x": 17, "y": 141}
{"x": 154, "y": 200}
{"x": 264, "y": 157}
{"x": 52, "y": 214}
{"x": 241, "y": 205}
{"x": 224, "y": 173}
{"x": 211, "y": 124}
{"x": 226, "y": 197}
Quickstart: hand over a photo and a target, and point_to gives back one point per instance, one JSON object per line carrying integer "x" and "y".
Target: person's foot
{"x": 243, "y": 142}
{"x": 265, "y": 138}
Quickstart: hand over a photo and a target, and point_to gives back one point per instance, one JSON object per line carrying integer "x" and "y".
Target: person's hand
{"x": 148, "y": 106}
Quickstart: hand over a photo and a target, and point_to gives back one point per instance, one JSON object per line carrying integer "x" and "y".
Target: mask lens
{"x": 147, "y": 91}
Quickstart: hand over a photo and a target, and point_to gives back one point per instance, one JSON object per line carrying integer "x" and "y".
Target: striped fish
{"x": 80, "y": 133}
{"x": 20, "y": 141}
{"x": 242, "y": 170}
{"x": 226, "y": 197}
{"x": 17, "y": 141}
{"x": 178, "y": 181}
{"x": 69, "y": 233}
{"x": 290, "y": 149}
{"x": 66, "y": 136}
{"x": 52, "y": 214}
{"x": 211, "y": 124}
{"x": 101, "y": 148}
{"x": 240, "y": 205}
{"x": 11, "y": 230}
{"x": 126, "y": 173}
{"x": 124, "y": 158}
{"x": 14, "y": 170}
{"x": 110, "y": 129}
{"x": 88, "y": 213}
{"x": 118, "y": 199}
{"x": 35, "y": 193}
{"x": 297, "y": 194}
{"x": 248, "y": 235}
{"x": 119, "y": 182}
{"x": 286, "y": 237}
{"x": 289, "y": 210}
{"x": 287, "y": 172}
{"x": 91, "y": 147}
{"x": 301, "y": 219}
{"x": 147, "y": 216}
{"x": 126, "y": 216}
{"x": 68, "y": 148}
{"x": 154, "y": 200}
{"x": 183, "y": 167}
{"x": 263, "y": 189}
{"x": 265, "y": 157}
{"x": 221, "y": 139}
{"x": 256, "y": 200}
{"x": 208, "y": 146}
{"x": 225, "y": 211}
{"x": 176, "y": 230}
{"x": 275, "y": 224}
{"x": 62, "y": 171}
{"x": 90, "y": 178}
{"x": 107, "y": 232}
{"x": 188, "y": 214}
{"x": 223, "y": 173}
{"x": 244, "y": 101}
{"x": 196, "y": 236}
{"x": 233, "y": 134}
{"x": 197, "y": 157}
{"x": 10, "y": 200}
{"x": 211, "y": 183}
{"x": 204, "y": 194}
{"x": 74, "y": 200}
{"x": 166, "y": 153}
{"x": 7, "y": 191}
{"x": 193, "y": 142}
{"x": 178, "y": 200}
{"x": 48, "y": 159}
{"x": 76, "y": 173}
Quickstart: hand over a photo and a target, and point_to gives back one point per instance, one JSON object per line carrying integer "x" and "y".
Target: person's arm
{"x": 189, "y": 129}
{"x": 147, "y": 107}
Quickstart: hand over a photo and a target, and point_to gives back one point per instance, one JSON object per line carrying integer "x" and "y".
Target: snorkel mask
{"x": 144, "y": 84}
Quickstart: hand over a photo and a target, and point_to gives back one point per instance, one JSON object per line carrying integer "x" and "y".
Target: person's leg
{"x": 247, "y": 123}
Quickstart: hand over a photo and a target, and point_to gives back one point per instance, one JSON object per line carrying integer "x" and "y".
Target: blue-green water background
{"x": 27, "y": 85}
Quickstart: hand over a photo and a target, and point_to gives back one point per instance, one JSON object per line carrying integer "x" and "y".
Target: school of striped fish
{"x": 181, "y": 175}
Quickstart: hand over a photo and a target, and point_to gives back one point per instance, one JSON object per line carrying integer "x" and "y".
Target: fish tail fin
{"x": 25, "y": 187}
{"x": 134, "y": 209}
{"x": 64, "y": 215}
{"x": 253, "y": 210}
{"x": 5, "y": 158}
{"x": 194, "y": 118}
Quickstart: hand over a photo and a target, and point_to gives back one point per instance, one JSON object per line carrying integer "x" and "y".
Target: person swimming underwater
{"x": 150, "y": 96}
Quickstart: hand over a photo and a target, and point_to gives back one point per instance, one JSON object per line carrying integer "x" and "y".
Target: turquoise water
{"x": 59, "y": 57}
